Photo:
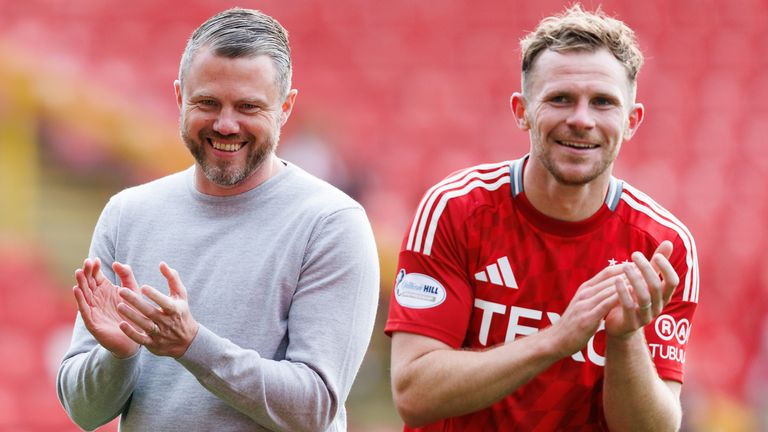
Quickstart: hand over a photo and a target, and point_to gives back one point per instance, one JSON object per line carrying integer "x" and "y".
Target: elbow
{"x": 307, "y": 426}
{"x": 412, "y": 409}
{"x": 77, "y": 416}
{"x": 677, "y": 422}
{"x": 323, "y": 414}
{"x": 307, "y": 422}
{"x": 412, "y": 418}
{"x": 86, "y": 424}
{"x": 322, "y": 421}
{"x": 80, "y": 418}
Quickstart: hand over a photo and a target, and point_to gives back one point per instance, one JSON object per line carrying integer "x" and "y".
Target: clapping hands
{"x": 122, "y": 319}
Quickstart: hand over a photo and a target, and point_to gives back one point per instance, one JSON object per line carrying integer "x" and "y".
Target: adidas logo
{"x": 498, "y": 273}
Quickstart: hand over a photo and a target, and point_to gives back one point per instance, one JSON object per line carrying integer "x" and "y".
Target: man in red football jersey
{"x": 544, "y": 293}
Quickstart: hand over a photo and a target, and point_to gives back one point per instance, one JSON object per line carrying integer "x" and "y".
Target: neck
{"x": 564, "y": 202}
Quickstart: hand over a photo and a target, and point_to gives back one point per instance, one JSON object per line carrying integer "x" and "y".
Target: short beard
{"x": 562, "y": 179}
{"x": 222, "y": 173}
{"x": 579, "y": 181}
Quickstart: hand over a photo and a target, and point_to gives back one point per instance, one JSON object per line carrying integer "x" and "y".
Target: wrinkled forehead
{"x": 250, "y": 77}
{"x": 599, "y": 68}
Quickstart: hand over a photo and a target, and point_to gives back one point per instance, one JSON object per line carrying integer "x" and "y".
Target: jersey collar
{"x": 556, "y": 226}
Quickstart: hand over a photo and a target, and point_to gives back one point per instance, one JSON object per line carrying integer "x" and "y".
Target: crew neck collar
{"x": 557, "y": 226}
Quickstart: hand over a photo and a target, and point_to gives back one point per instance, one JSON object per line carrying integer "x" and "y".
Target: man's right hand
{"x": 97, "y": 299}
{"x": 591, "y": 303}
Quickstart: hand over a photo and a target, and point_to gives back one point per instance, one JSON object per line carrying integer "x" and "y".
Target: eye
{"x": 559, "y": 99}
{"x": 603, "y": 102}
{"x": 207, "y": 103}
{"x": 249, "y": 107}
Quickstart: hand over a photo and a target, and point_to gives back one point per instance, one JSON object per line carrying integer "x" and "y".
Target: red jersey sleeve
{"x": 668, "y": 334}
{"x": 432, "y": 294}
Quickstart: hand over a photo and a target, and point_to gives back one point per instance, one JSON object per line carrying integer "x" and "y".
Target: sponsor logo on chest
{"x": 515, "y": 327}
{"x": 522, "y": 321}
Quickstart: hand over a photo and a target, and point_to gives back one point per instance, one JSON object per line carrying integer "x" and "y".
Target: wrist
{"x": 194, "y": 330}
{"x": 125, "y": 354}
{"x": 625, "y": 340}
{"x": 553, "y": 345}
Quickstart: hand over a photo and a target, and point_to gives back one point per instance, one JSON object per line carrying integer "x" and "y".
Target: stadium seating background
{"x": 393, "y": 96}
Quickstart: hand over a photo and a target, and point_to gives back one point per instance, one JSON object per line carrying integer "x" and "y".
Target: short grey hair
{"x": 238, "y": 33}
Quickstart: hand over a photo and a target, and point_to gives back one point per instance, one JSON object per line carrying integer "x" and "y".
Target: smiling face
{"x": 231, "y": 115}
{"x": 578, "y": 108}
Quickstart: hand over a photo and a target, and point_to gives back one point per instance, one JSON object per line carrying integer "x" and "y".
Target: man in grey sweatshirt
{"x": 271, "y": 274}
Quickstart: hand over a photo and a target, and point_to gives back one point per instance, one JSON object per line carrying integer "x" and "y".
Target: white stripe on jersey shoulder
{"x": 432, "y": 205}
{"x": 615, "y": 188}
{"x": 644, "y": 204}
{"x": 516, "y": 171}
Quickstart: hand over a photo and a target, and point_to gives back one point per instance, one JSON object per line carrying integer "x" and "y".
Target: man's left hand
{"x": 166, "y": 328}
{"x": 646, "y": 289}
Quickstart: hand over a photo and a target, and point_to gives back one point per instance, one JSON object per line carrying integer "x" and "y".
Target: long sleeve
{"x": 330, "y": 321}
{"x": 92, "y": 384}
{"x": 283, "y": 280}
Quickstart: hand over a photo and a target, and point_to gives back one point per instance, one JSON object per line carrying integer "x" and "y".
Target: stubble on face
{"x": 226, "y": 173}
{"x": 544, "y": 155}
{"x": 549, "y": 129}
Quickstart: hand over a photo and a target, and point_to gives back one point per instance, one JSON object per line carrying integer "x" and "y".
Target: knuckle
{"x": 656, "y": 287}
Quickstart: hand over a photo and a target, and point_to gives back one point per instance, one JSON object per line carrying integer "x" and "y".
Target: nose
{"x": 226, "y": 122}
{"x": 581, "y": 116}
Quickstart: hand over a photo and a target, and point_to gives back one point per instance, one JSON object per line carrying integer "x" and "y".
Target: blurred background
{"x": 393, "y": 96}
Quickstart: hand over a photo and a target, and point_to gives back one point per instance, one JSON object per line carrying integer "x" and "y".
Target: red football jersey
{"x": 480, "y": 266}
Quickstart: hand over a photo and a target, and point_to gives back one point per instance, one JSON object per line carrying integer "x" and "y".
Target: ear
{"x": 636, "y": 115}
{"x": 287, "y": 107}
{"x": 177, "y": 89}
{"x": 517, "y": 103}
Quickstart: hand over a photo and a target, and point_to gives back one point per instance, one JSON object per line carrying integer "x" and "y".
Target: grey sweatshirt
{"x": 283, "y": 280}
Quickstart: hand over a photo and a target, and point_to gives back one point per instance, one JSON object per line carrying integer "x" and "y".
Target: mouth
{"x": 577, "y": 145}
{"x": 229, "y": 147}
